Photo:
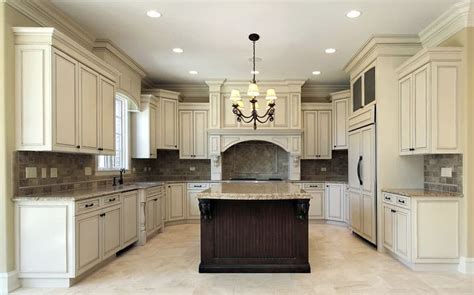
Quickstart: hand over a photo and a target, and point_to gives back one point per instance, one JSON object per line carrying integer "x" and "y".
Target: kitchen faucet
{"x": 120, "y": 181}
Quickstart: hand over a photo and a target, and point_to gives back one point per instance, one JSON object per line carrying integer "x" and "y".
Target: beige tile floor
{"x": 341, "y": 264}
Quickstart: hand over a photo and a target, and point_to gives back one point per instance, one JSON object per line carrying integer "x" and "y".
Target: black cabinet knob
{"x": 78, "y": 146}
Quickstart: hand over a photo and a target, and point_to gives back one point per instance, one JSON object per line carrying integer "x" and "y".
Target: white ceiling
{"x": 214, "y": 34}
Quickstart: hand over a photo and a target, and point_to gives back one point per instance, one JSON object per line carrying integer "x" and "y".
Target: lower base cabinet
{"x": 423, "y": 233}
{"x": 175, "y": 201}
{"x": 362, "y": 215}
{"x": 151, "y": 212}
{"x": 192, "y": 212}
{"x": 335, "y": 201}
{"x": 129, "y": 218}
{"x": 316, "y": 204}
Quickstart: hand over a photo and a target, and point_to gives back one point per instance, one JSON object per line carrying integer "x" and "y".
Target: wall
{"x": 255, "y": 159}
{"x": 9, "y": 18}
{"x": 433, "y": 178}
{"x": 465, "y": 38}
{"x": 336, "y": 168}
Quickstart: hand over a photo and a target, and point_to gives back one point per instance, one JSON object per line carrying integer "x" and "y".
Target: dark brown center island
{"x": 254, "y": 228}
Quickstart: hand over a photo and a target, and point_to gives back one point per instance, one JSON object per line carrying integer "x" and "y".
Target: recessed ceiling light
{"x": 330, "y": 50}
{"x": 178, "y": 50}
{"x": 193, "y": 72}
{"x": 153, "y": 13}
{"x": 254, "y": 72}
{"x": 353, "y": 14}
{"x": 316, "y": 73}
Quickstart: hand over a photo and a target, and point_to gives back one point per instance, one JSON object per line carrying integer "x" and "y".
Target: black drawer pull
{"x": 388, "y": 198}
{"x": 89, "y": 205}
{"x": 401, "y": 201}
{"x": 393, "y": 211}
{"x": 102, "y": 215}
{"x": 113, "y": 199}
{"x": 155, "y": 199}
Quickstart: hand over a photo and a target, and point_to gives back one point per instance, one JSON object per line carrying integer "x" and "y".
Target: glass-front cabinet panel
{"x": 369, "y": 86}
{"x": 357, "y": 94}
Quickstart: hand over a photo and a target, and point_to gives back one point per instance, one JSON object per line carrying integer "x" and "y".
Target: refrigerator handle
{"x": 358, "y": 170}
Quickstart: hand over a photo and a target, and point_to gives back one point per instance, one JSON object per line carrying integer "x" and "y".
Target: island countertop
{"x": 254, "y": 191}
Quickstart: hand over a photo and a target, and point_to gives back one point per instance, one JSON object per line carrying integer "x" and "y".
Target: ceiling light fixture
{"x": 193, "y": 72}
{"x": 316, "y": 73}
{"x": 178, "y": 50}
{"x": 153, "y": 13}
{"x": 353, "y": 14}
{"x": 253, "y": 92}
{"x": 330, "y": 50}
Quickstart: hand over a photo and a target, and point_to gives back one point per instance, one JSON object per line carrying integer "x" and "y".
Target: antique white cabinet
{"x": 317, "y": 203}
{"x": 129, "y": 218}
{"x": 317, "y": 136}
{"x": 334, "y": 203}
{"x": 64, "y": 93}
{"x": 151, "y": 212}
{"x": 363, "y": 90}
{"x": 193, "y": 131}
{"x": 144, "y": 129}
{"x": 192, "y": 212}
{"x": 167, "y": 118}
{"x": 340, "y": 119}
{"x": 430, "y": 102}
{"x": 176, "y": 201}
{"x": 422, "y": 232}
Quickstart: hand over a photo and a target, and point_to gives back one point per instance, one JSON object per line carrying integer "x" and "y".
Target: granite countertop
{"x": 83, "y": 194}
{"x": 254, "y": 191}
{"x": 421, "y": 193}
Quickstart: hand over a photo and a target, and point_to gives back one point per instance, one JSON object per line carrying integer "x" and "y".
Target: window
{"x": 120, "y": 160}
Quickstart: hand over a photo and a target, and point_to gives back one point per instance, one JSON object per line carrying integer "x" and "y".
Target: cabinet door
{"x": 346, "y": 206}
{"x": 129, "y": 218}
{"x": 357, "y": 94}
{"x": 158, "y": 213}
{"x": 150, "y": 216}
{"x": 65, "y": 102}
{"x": 369, "y": 86}
{"x": 88, "y": 241}
{"x": 310, "y": 134}
{"x": 169, "y": 120}
{"x": 340, "y": 123}
{"x": 193, "y": 205}
{"x": 388, "y": 223}
{"x": 402, "y": 234}
{"x": 177, "y": 204}
{"x": 355, "y": 216}
{"x": 186, "y": 146}
{"x": 421, "y": 108}
{"x": 316, "y": 205}
{"x": 111, "y": 231}
{"x": 367, "y": 166}
{"x": 405, "y": 115}
{"x": 334, "y": 202}
{"x": 107, "y": 117}
{"x": 323, "y": 139}
{"x": 153, "y": 113}
{"x": 164, "y": 207}
{"x": 368, "y": 217}
{"x": 200, "y": 134}
{"x": 353, "y": 158}
{"x": 89, "y": 102}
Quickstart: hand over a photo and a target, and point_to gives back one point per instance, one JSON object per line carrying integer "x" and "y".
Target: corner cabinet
{"x": 144, "y": 129}
{"x": 430, "y": 99}
{"x": 340, "y": 119}
{"x": 64, "y": 93}
{"x": 193, "y": 131}
{"x": 317, "y": 134}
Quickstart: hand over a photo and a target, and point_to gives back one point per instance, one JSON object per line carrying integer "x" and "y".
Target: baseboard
{"x": 466, "y": 265}
{"x": 8, "y": 282}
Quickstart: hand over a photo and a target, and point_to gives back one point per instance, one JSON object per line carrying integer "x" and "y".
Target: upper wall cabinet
{"x": 167, "y": 118}
{"x": 363, "y": 89}
{"x": 144, "y": 128}
{"x": 64, "y": 95}
{"x": 131, "y": 74}
{"x": 317, "y": 131}
{"x": 193, "y": 130}
{"x": 340, "y": 119}
{"x": 430, "y": 102}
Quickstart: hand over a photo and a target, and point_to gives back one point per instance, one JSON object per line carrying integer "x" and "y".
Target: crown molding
{"x": 105, "y": 44}
{"x": 47, "y": 15}
{"x": 456, "y": 18}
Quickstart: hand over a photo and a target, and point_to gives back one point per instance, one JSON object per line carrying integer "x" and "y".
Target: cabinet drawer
{"x": 390, "y": 199}
{"x": 313, "y": 186}
{"x": 154, "y": 190}
{"x": 110, "y": 200}
{"x": 403, "y": 202}
{"x": 87, "y": 205}
{"x": 198, "y": 186}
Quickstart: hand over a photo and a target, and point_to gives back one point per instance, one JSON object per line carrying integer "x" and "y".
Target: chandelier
{"x": 253, "y": 93}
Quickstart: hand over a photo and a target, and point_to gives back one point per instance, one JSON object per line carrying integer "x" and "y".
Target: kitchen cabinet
{"x": 317, "y": 203}
{"x": 334, "y": 202}
{"x": 430, "y": 102}
{"x": 193, "y": 134}
{"x": 64, "y": 97}
{"x": 144, "y": 129}
{"x": 176, "y": 194}
{"x": 363, "y": 89}
{"x": 88, "y": 237}
{"x": 152, "y": 208}
{"x": 317, "y": 134}
{"x": 192, "y": 202}
{"x": 340, "y": 119}
{"x": 346, "y": 205}
{"x": 422, "y": 233}
{"x": 129, "y": 218}
{"x": 112, "y": 226}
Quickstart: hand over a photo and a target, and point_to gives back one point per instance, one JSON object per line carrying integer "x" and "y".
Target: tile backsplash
{"x": 321, "y": 170}
{"x": 433, "y": 178}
